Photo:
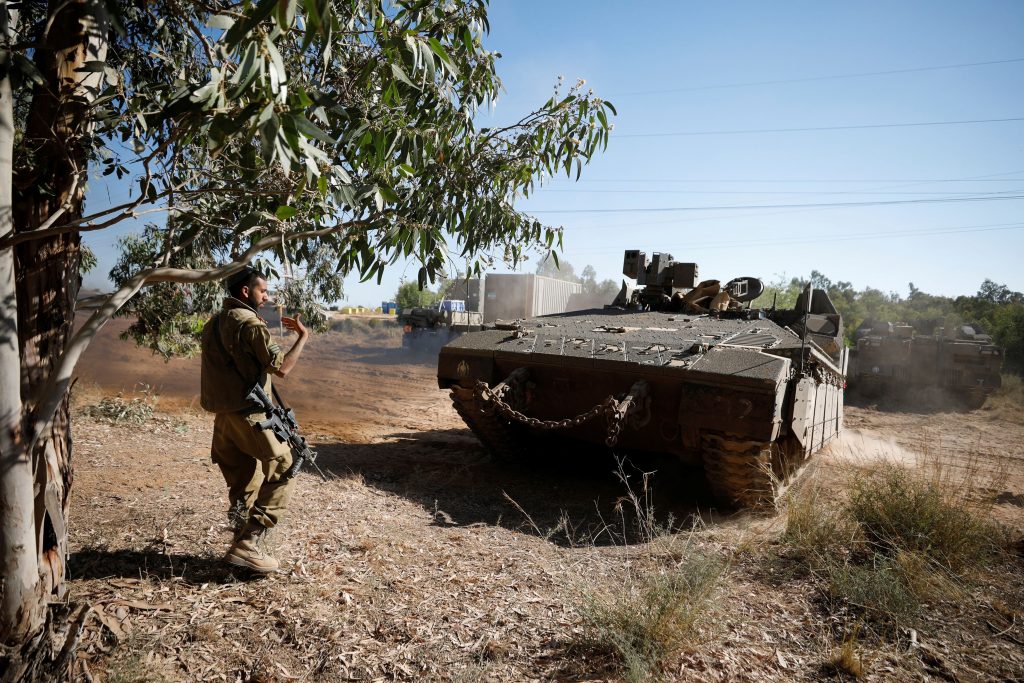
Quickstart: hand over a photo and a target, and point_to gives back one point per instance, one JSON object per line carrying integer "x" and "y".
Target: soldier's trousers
{"x": 253, "y": 463}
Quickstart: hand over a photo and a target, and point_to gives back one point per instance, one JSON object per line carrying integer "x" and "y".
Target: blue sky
{"x": 679, "y": 176}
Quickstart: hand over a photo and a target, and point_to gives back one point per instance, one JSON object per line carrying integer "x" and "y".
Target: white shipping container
{"x": 509, "y": 296}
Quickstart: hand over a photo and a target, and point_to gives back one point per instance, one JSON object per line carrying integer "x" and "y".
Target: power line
{"x": 810, "y": 79}
{"x": 866, "y": 126}
{"x": 789, "y": 241}
{"x": 781, "y": 206}
{"x": 725, "y": 181}
{"x": 775, "y": 192}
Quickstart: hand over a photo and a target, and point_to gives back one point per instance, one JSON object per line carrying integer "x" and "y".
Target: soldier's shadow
{"x": 566, "y": 494}
{"x": 152, "y": 564}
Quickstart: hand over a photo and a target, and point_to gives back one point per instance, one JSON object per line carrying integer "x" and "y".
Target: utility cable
{"x": 894, "y": 202}
{"x": 811, "y": 79}
{"x": 806, "y": 129}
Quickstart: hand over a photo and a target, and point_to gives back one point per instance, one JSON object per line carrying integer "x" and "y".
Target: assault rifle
{"x": 281, "y": 421}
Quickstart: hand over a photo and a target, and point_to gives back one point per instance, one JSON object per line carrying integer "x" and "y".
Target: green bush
{"x": 901, "y": 540}
{"x": 898, "y": 511}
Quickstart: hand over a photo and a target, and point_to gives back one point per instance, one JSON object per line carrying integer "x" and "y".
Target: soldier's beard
{"x": 253, "y": 302}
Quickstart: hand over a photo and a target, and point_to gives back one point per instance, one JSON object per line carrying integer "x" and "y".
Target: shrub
{"x": 902, "y": 539}
{"x": 818, "y": 530}
{"x": 879, "y": 589}
{"x": 115, "y": 409}
{"x": 898, "y": 511}
{"x": 650, "y": 618}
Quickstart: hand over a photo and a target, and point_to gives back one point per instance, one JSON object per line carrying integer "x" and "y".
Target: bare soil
{"x": 420, "y": 558}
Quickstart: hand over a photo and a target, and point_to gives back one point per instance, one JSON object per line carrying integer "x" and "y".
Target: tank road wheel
{"x": 503, "y": 439}
{"x": 748, "y": 474}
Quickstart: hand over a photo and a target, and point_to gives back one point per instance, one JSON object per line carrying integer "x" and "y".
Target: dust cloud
{"x": 861, "y": 448}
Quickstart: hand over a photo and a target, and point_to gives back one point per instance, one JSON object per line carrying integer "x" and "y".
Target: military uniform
{"x": 238, "y": 352}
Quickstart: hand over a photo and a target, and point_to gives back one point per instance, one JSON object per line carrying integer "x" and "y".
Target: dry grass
{"x": 367, "y": 327}
{"x": 847, "y": 661}
{"x": 899, "y": 539}
{"x": 900, "y": 511}
{"x": 409, "y": 565}
{"x": 1007, "y": 402}
{"x": 116, "y": 409}
{"x": 646, "y": 621}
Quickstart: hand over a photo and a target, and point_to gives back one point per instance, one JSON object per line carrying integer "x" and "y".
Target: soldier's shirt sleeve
{"x": 268, "y": 354}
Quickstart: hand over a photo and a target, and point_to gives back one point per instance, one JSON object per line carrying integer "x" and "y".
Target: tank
{"x": 674, "y": 366}
{"x": 960, "y": 361}
{"x": 429, "y": 328}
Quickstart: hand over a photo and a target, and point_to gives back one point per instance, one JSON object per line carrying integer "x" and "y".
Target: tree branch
{"x": 50, "y": 395}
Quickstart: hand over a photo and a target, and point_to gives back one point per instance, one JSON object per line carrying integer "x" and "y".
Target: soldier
{"x": 238, "y": 353}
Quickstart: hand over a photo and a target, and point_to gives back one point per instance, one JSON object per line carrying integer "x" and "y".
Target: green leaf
{"x": 438, "y": 49}
{"x": 249, "y": 221}
{"x": 285, "y": 212}
{"x": 307, "y": 128}
{"x": 276, "y": 60}
{"x": 400, "y": 74}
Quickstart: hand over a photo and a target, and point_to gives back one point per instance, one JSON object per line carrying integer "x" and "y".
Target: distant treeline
{"x": 995, "y": 308}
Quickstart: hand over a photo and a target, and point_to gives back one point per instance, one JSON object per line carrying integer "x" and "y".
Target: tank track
{"x": 503, "y": 439}
{"x": 749, "y": 474}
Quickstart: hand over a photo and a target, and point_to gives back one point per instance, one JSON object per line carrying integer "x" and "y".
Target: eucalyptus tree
{"x": 336, "y": 136}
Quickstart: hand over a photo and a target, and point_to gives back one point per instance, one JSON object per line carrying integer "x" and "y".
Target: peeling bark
{"x": 39, "y": 282}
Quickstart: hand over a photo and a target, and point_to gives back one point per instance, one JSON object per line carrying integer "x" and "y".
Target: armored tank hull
{"x": 738, "y": 392}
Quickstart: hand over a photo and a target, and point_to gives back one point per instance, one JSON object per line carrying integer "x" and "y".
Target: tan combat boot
{"x": 249, "y": 550}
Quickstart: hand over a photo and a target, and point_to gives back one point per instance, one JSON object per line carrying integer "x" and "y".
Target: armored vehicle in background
{"x": 958, "y": 360}
{"x": 673, "y": 366}
{"x": 429, "y": 328}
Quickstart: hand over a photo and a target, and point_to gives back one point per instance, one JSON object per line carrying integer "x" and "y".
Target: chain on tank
{"x": 615, "y": 412}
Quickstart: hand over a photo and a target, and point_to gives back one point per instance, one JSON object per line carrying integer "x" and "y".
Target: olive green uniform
{"x": 238, "y": 352}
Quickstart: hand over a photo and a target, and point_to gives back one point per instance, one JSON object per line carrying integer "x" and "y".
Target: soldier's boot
{"x": 249, "y": 550}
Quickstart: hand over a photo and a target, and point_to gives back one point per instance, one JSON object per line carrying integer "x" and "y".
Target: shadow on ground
{"x": 569, "y": 496}
{"x": 153, "y": 564}
{"x": 923, "y": 402}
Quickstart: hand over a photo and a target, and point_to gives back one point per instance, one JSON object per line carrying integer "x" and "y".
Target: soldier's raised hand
{"x": 295, "y": 325}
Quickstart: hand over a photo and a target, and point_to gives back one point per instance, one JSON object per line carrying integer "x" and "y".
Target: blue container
{"x": 453, "y": 305}
{"x": 388, "y": 306}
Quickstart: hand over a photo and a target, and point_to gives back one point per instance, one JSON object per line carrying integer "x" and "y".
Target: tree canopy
{"x": 336, "y": 137}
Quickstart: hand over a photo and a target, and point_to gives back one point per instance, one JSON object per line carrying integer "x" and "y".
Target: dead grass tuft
{"x": 640, "y": 624}
{"x": 651, "y": 617}
{"x": 817, "y": 530}
{"x": 846, "y": 660}
{"x": 117, "y": 410}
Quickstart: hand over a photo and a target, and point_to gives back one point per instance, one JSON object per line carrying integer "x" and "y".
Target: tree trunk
{"x": 35, "y": 477}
